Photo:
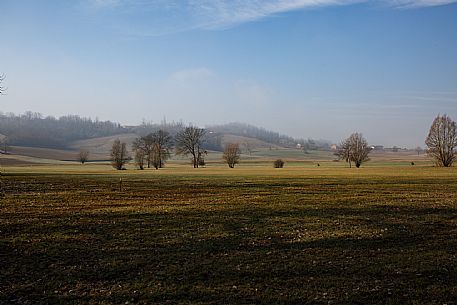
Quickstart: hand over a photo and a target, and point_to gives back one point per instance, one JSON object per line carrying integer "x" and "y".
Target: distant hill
{"x": 35, "y": 130}
{"x": 72, "y": 133}
{"x": 250, "y": 131}
{"x": 102, "y": 145}
{"x": 247, "y": 143}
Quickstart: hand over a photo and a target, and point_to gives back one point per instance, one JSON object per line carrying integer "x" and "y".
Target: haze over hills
{"x": 33, "y": 134}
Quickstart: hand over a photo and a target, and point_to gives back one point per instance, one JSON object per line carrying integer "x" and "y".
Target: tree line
{"x": 154, "y": 149}
{"x": 36, "y": 130}
{"x": 33, "y": 129}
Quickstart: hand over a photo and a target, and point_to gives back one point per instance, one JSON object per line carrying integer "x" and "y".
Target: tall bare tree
{"x": 189, "y": 142}
{"x": 161, "y": 148}
{"x": 146, "y": 145}
{"x": 359, "y": 149}
{"x": 139, "y": 158}
{"x": 344, "y": 152}
{"x": 2, "y": 89}
{"x": 354, "y": 149}
{"x": 83, "y": 156}
{"x": 442, "y": 141}
{"x": 119, "y": 154}
{"x": 232, "y": 154}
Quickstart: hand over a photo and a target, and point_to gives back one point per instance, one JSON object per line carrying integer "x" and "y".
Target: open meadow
{"x": 385, "y": 233}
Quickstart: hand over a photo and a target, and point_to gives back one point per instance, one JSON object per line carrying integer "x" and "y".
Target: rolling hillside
{"x": 99, "y": 149}
{"x": 101, "y": 146}
{"x": 36, "y": 136}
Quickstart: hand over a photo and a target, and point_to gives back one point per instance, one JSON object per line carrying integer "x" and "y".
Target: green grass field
{"x": 384, "y": 234}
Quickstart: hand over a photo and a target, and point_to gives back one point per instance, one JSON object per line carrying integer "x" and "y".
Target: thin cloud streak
{"x": 408, "y": 4}
{"x": 222, "y": 14}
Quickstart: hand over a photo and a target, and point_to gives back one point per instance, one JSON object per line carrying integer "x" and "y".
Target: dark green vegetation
{"x": 386, "y": 237}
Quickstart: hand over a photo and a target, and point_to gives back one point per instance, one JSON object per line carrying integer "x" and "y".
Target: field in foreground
{"x": 384, "y": 235}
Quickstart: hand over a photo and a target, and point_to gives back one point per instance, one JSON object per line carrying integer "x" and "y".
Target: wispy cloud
{"x": 418, "y": 3}
{"x": 216, "y": 14}
{"x": 158, "y": 17}
{"x": 191, "y": 75}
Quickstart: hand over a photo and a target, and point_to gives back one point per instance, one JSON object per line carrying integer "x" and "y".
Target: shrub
{"x": 278, "y": 163}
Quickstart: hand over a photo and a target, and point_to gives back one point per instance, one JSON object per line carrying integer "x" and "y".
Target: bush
{"x": 278, "y": 163}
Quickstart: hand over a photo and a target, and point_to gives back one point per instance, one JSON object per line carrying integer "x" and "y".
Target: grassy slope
{"x": 52, "y": 154}
{"x": 214, "y": 235}
{"x": 255, "y": 144}
{"x": 99, "y": 149}
{"x": 102, "y": 145}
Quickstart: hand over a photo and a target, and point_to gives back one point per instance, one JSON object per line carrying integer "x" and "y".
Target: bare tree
{"x": 418, "y": 150}
{"x": 119, "y": 154}
{"x": 146, "y": 145}
{"x": 139, "y": 158}
{"x": 83, "y": 156}
{"x": 2, "y": 89}
{"x": 354, "y": 149}
{"x": 344, "y": 152}
{"x": 359, "y": 149}
{"x": 232, "y": 154}
{"x": 442, "y": 141}
{"x": 161, "y": 148}
{"x": 189, "y": 141}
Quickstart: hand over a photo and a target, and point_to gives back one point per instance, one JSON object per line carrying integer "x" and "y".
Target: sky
{"x": 318, "y": 69}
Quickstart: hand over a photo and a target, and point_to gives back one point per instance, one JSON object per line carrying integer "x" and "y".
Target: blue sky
{"x": 317, "y": 69}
